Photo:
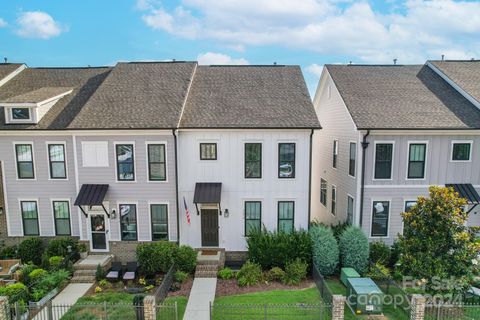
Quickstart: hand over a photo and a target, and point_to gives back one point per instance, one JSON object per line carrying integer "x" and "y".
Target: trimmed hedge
{"x": 31, "y": 250}
{"x": 325, "y": 249}
{"x": 354, "y": 249}
{"x": 185, "y": 259}
{"x": 158, "y": 257}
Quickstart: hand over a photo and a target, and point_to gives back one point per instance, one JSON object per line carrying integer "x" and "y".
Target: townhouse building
{"x": 114, "y": 155}
{"x": 389, "y": 132}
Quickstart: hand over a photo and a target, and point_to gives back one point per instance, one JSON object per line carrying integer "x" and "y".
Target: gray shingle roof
{"x": 8, "y": 68}
{"x": 83, "y": 80}
{"x": 138, "y": 95}
{"x": 38, "y": 95}
{"x": 465, "y": 74}
{"x": 402, "y": 97}
{"x": 249, "y": 97}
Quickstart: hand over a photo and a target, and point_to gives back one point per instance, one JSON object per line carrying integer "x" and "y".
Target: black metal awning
{"x": 466, "y": 191}
{"x": 92, "y": 195}
{"x": 208, "y": 192}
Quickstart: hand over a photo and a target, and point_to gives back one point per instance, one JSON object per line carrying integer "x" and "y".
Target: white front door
{"x": 98, "y": 232}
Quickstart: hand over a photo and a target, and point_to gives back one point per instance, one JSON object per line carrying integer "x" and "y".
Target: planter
{"x": 44, "y": 300}
{"x": 83, "y": 255}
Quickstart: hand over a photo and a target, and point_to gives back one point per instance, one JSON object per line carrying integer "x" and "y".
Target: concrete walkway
{"x": 64, "y": 300}
{"x": 202, "y": 293}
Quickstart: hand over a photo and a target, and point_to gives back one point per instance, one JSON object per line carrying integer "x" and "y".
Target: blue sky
{"x": 310, "y": 33}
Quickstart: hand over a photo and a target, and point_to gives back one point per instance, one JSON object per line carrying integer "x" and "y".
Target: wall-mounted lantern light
{"x": 226, "y": 213}
{"x": 1, "y": 210}
{"x": 113, "y": 214}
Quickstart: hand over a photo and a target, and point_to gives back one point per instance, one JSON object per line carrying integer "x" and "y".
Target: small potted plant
{"x": 82, "y": 248}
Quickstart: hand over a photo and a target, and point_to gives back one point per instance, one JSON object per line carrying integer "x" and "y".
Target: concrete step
{"x": 85, "y": 272}
{"x": 207, "y": 267}
{"x": 205, "y": 274}
{"x": 83, "y": 279}
{"x": 208, "y": 262}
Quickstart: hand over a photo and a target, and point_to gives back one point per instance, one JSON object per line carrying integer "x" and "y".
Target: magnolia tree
{"x": 437, "y": 247}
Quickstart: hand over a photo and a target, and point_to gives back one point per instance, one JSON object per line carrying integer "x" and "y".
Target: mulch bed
{"x": 184, "y": 289}
{"x": 230, "y": 287}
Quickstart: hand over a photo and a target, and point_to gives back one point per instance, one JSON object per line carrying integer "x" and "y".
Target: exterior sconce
{"x": 114, "y": 214}
{"x": 1, "y": 210}
{"x": 226, "y": 213}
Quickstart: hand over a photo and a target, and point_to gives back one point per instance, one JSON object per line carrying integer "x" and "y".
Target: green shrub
{"x": 36, "y": 274}
{"x": 15, "y": 292}
{"x": 395, "y": 252}
{"x": 186, "y": 259}
{"x": 379, "y": 252}
{"x": 155, "y": 257}
{"x": 378, "y": 272}
{"x": 250, "y": 274}
{"x": 295, "y": 272}
{"x": 181, "y": 276}
{"x": 49, "y": 282}
{"x": 275, "y": 274}
{"x": 59, "y": 247}
{"x": 274, "y": 249}
{"x": 325, "y": 249}
{"x": 226, "y": 273}
{"x": 354, "y": 249}
{"x": 25, "y": 270}
{"x": 339, "y": 229}
{"x": 55, "y": 262}
{"x": 100, "y": 273}
{"x": 9, "y": 252}
{"x": 31, "y": 250}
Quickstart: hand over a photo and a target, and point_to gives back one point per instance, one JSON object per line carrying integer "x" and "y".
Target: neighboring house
{"x": 388, "y": 133}
{"x": 95, "y": 153}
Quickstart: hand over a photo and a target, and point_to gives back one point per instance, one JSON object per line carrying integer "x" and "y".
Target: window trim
{"x": 332, "y": 201}
{"x": 119, "y": 203}
{"x": 64, "y": 144}
{"x": 278, "y": 214}
{"x": 392, "y": 142}
{"x": 34, "y": 169}
{"x": 150, "y": 203}
{"x": 115, "y": 144}
{"x": 294, "y": 160}
{"x": 52, "y": 200}
{"x": 30, "y": 114}
{"x": 405, "y": 200}
{"x": 335, "y": 154}
{"x": 36, "y": 200}
{"x": 245, "y": 215}
{"x": 389, "y": 200}
{"x": 326, "y": 192}
{"x": 355, "y": 159}
{"x": 147, "y": 157}
{"x": 425, "y": 163}
{"x": 208, "y": 143}
{"x": 245, "y": 160}
{"x": 453, "y": 142}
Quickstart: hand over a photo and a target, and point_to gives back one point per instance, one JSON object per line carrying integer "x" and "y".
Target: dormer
{"x": 30, "y": 107}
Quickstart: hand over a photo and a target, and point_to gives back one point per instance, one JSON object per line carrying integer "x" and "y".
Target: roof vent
{"x": 473, "y": 59}
{"x": 443, "y": 57}
{"x": 5, "y": 60}
{"x": 395, "y": 61}
{"x": 275, "y": 63}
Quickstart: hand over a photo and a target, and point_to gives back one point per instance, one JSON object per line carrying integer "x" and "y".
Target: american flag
{"x": 186, "y": 210}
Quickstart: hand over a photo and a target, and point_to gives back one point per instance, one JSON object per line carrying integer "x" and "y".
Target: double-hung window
{"x": 461, "y": 151}
{"x": 286, "y": 216}
{"x": 380, "y": 216}
{"x": 335, "y": 153}
{"x": 128, "y": 222}
{"x": 334, "y": 200}
{"x": 253, "y": 160}
{"x": 286, "y": 160}
{"x": 125, "y": 162}
{"x": 253, "y": 217}
{"x": 350, "y": 209}
{"x": 383, "y": 160}
{"x": 56, "y": 158}
{"x": 323, "y": 192}
{"x": 159, "y": 217}
{"x": 416, "y": 160}
{"x": 352, "y": 159}
{"x": 61, "y": 213}
{"x": 24, "y": 155}
{"x": 208, "y": 151}
{"x": 409, "y": 205}
{"x": 30, "y": 218}
{"x": 156, "y": 162}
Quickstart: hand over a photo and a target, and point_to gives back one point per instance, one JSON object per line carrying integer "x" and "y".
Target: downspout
{"x": 362, "y": 189}
{"x": 310, "y": 179}
{"x": 176, "y": 184}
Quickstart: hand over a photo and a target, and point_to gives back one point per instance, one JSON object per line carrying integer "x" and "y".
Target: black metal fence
{"x": 452, "y": 311}
{"x": 167, "y": 311}
{"x": 325, "y": 292}
{"x": 270, "y": 311}
{"x": 162, "y": 291}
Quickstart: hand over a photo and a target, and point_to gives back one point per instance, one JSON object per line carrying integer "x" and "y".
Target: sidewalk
{"x": 202, "y": 293}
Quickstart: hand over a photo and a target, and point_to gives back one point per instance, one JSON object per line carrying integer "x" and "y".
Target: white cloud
{"x": 422, "y": 29}
{"x": 210, "y": 58}
{"x": 315, "y": 69}
{"x": 37, "y": 24}
{"x": 3, "y": 23}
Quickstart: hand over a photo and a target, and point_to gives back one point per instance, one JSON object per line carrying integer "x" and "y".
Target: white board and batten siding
{"x": 229, "y": 170}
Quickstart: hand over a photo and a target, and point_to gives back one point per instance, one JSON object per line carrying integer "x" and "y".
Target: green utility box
{"x": 348, "y": 273}
{"x": 364, "y": 296}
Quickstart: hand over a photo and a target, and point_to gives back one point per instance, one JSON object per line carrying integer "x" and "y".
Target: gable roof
{"x": 402, "y": 97}
{"x": 84, "y": 82}
{"x": 249, "y": 97}
{"x": 466, "y": 74}
{"x": 138, "y": 95}
{"x": 8, "y": 68}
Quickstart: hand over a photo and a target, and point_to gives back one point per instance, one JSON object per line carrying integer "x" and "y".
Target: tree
{"x": 437, "y": 247}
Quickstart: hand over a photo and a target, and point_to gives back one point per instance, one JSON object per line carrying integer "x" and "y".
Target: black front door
{"x": 209, "y": 227}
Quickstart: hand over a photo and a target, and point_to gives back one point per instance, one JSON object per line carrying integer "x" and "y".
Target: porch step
{"x": 206, "y": 271}
{"x": 85, "y": 272}
{"x": 82, "y": 279}
{"x": 207, "y": 267}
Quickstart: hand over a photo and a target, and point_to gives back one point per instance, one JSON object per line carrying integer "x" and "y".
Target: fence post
{"x": 417, "y": 307}
{"x": 149, "y": 308}
{"x": 4, "y": 308}
{"x": 176, "y": 310}
{"x": 105, "y": 311}
{"x": 49, "y": 310}
{"x": 210, "y": 309}
{"x": 338, "y": 307}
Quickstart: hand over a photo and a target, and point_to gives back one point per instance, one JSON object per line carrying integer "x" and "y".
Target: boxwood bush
{"x": 185, "y": 259}
{"x": 274, "y": 249}
{"x": 158, "y": 257}
{"x": 31, "y": 250}
{"x": 354, "y": 249}
{"x": 325, "y": 249}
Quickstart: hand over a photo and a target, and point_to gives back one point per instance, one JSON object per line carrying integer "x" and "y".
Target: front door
{"x": 209, "y": 227}
{"x": 99, "y": 232}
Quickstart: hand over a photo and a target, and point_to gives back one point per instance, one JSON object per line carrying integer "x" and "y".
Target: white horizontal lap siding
{"x": 141, "y": 191}
{"x": 42, "y": 187}
{"x": 229, "y": 170}
{"x": 337, "y": 124}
